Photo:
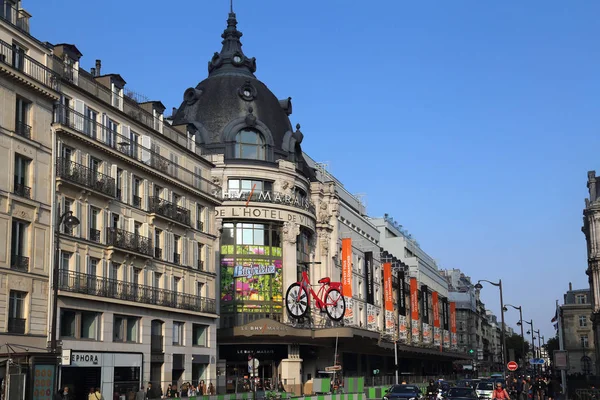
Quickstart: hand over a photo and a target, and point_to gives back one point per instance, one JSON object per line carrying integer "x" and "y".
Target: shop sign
{"x": 86, "y": 359}
{"x": 265, "y": 196}
{"x": 264, "y": 329}
{"x": 263, "y": 213}
{"x": 248, "y": 272}
{"x": 256, "y": 352}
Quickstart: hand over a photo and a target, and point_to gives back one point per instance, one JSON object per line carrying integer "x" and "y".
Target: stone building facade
{"x": 578, "y": 334}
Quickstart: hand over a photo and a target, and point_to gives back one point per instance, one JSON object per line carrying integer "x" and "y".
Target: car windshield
{"x": 485, "y": 386}
{"x": 403, "y": 389}
{"x": 461, "y": 392}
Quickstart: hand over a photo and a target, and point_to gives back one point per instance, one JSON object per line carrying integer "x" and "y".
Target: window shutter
{"x": 125, "y": 191}
{"x": 197, "y": 180}
{"x": 184, "y": 243}
{"x": 207, "y": 227}
{"x": 194, "y": 245}
{"x": 105, "y": 128}
{"x": 79, "y": 215}
{"x": 171, "y": 247}
{"x": 208, "y": 258}
{"x": 113, "y": 172}
{"x": 77, "y": 263}
{"x": 146, "y": 146}
{"x": 78, "y": 156}
{"x": 80, "y": 109}
{"x": 126, "y": 132}
{"x": 146, "y": 195}
{"x": 88, "y": 265}
{"x": 59, "y": 146}
{"x": 104, "y": 272}
{"x": 130, "y": 177}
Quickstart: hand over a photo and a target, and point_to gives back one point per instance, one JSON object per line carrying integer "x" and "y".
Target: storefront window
{"x": 251, "y": 268}
{"x": 302, "y": 251}
{"x": 126, "y": 381}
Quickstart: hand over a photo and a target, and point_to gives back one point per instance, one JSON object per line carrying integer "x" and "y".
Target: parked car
{"x": 461, "y": 393}
{"x": 485, "y": 389}
{"x": 402, "y": 392}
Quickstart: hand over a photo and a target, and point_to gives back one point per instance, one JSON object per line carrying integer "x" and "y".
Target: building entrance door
{"x": 80, "y": 380}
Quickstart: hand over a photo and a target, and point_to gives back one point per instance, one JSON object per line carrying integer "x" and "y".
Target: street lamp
{"x": 69, "y": 221}
{"x": 520, "y": 308}
{"x": 479, "y": 286}
{"x": 532, "y": 342}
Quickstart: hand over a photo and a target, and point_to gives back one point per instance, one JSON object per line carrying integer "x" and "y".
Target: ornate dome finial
{"x": 231, "y": 60}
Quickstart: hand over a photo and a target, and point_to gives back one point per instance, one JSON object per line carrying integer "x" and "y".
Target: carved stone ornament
{"x": 290, "y": 231}
{"x": 324, "y": 239}
{"x": 219, "y": 226}
{"x": 324, "y": 215}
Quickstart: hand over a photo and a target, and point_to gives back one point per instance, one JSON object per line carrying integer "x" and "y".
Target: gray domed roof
{"x": 232, "y": 99}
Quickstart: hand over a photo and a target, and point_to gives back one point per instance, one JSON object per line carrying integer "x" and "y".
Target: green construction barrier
{"x": 354, "y": 385}
{"x": 344, "y": 396}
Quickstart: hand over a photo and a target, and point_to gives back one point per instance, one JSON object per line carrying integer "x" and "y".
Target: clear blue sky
{"x": 472, "y": 123}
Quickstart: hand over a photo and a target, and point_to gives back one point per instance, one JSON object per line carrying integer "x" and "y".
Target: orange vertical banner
{"x": 387, "y": 287}
{"x": 414, "y": 299}
{"x": 347, "y": 267}
{"x": 436, "y": 309}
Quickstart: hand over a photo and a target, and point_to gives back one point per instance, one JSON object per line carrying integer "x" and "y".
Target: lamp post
{"x": 520, "y": 308}
{"x": 69, "y": 222}
{"x": 479, "y": 286}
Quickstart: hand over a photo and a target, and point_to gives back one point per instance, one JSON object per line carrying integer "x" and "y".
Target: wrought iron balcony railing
{"x": 95, "y": 235}
{"x": 19, "y": 263}
{"x": 16, "y": 325}
{"x": 84, "y": 176}
{"x": 37, "y": 71}
{"x": 156, "y": 343}
{"x": 110, "y": 288}
{"x": 11, "y": 14}
{"x": 148, "y": 156}
{"x": 169, "y": 210}
{"x": 22, "y": 190}
{"x": 157, "y": 252}
{"x": 22, "y": 129}
{"x": 129, "y": 241}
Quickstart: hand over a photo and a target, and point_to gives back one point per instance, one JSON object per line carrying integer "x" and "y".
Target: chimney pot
{"x": 98, "y": 66}
{"x": 570, "y": 286}
{"x": 93, "y": 71}
{"x": 174, "y": 111}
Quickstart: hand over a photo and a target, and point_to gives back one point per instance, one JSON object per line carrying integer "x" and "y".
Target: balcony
{"x": 177, "y": 258}
{"x": 18, "y": 60}
{"x": 101, "y": 134}
{"x": 169, "y": 210}
{"x": 156, "y": 344}
{"x": 136, "y": 201}
{"x": 95, "y": 235}
{"x": 22, "y": 129}
{"x": 129, "y": 241}
{"x": 19, "y": 263}
{"x": 22, "y": 190}
{"x": 86, "y": 177}
{"x": 157, "y": 252}
{"x": 16, "y": 325}
{"x": 74, "y": 282}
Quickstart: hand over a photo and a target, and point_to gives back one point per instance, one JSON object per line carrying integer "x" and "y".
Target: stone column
{"x": 291, "y": 370}
{"x": 289, "y": 236}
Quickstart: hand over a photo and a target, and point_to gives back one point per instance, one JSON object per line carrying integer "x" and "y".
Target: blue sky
{"x": 472, "y": 123}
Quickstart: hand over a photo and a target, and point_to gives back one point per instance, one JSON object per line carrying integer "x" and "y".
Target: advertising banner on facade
{"x": 401, "y": 294}
{"x": 425, "y": 303}
{"x": 388, "y": 296}
{"x": 402, "y": 328}
{"x": 446, "y": 339}
{"x": 370, "y": 277}
{"x": 347, "y": 279}
{"x": 453, "y": 339}
{"x": 437, "y": 337}
{"x": 427, "y": 333}
{"x": 371, "y": 318}
{"x": 414, "y": 312}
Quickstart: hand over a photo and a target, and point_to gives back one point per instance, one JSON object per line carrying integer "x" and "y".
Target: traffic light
{"x": 471, "y": 351}
{"x": 375, "y": 371}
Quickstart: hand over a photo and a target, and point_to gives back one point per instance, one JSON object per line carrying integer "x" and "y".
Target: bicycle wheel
{"x": 296, "y": 300}
{"x": 335, "y": 304}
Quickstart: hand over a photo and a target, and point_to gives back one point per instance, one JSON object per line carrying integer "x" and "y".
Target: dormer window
{"x": 250, "y": 144}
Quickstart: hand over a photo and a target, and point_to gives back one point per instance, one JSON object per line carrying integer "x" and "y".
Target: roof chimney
{"x": 93, "y": 71}
{"x": 174, "y": 112}
{"x": 570, "y": 287}
{"x": 98, "y": 66}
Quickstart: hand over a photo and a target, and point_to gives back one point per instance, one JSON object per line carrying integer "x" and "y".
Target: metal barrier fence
{"x": 587, "y": 394}
{"x": 388, "y": 380}
{"x": 229, "y": 385}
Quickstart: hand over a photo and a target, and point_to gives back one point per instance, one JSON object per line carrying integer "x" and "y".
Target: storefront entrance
{"x": 80, "y": 380}
{"x": 239, "y": 376}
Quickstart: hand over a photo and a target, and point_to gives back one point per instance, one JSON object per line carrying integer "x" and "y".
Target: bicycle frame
{"x": 305, "y": 283}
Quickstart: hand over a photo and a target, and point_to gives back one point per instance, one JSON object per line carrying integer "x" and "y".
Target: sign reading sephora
{"x": 249, "y": 272}
{"x": 370, "y": 282}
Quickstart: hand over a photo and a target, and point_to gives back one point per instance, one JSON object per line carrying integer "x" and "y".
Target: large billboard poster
{"x": 371, "y": 318}
{"x": 370, "y": 278}
{"x": 388, "y": 295}
{"x": 426, "y": 333}
{"x": 402, "y": 328}
{"x": 401, "y": 294}
{"x": 437, "y": 336}
{"x": 414, "y": 311}
{"x": 453, "y": 338}
{"x": 347, "y": 279}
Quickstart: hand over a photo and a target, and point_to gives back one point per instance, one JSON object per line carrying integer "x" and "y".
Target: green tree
{"x": 551, "y": 345}
{"x": 515, "y": 342}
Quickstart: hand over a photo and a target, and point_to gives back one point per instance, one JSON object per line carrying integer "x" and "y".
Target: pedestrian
{"x": 201, "y": 388}
{"x": 170, "y": 391}
{"x": 98, "y": 394}
{"x": 280, "y": 387}
{"x": 211, "y": 389}
{"x": 66, "y": 395}
{"x": 92, "y": 394}
{"x": 500, "y": 393}
{"x": 140, "y": 395}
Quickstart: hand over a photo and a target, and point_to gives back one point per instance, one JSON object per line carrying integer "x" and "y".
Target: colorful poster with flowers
{"x": 402, "y": 328}
{"x": 426, "y": 333}
{"x": 415, "y": 332}
{"x": 371, "y": 318}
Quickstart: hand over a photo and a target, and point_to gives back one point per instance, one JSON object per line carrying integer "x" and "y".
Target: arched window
{"x": 250, "y": 144}
{"x": 586, "y": 365}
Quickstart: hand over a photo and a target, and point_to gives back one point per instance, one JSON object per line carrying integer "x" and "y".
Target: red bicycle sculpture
{"x": 329, "y": 298}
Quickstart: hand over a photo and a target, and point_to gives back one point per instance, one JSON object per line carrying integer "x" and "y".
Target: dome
{"x": 231, "y": 112}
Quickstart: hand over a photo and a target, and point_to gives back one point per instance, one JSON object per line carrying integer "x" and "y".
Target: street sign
{"x": 537, "y": 361}
{"x": 333, "y": 368}
{"x": 512, "y": 366}
{"x": 253, "y": 364}
{"x": 561, "y": 360}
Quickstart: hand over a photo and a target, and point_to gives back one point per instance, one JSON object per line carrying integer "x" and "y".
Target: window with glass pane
{"x": 118, "y": 329}
{"x": 113, "y": 129}
{"x": 21, "y": 177}
{"x": 16, "y": 306}
{"x": 67, "y": 323}
{"x": 178, "y": 333}
{"x": 582, "y": 321}
{"x": 90, "y": 125}
{"x": 67, "y": 207}
{"x": 250, "y": 145}
{"x": 65, "y": 261}
{"x": 238, "y": 187}
{"x": 22, "y": 112}
{"x": 94, "y": 166}
{"x": 19, "y": 238}
{"x": 89, "y": 325}
{"x": 583, "y": 340}
{"x": 132, "y": 329}
{"x": 199, "y": 335}
{"x": 67, "y": 153}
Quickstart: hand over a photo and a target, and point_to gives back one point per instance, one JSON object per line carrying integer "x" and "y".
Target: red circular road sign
{"x": 512, "y": 366}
